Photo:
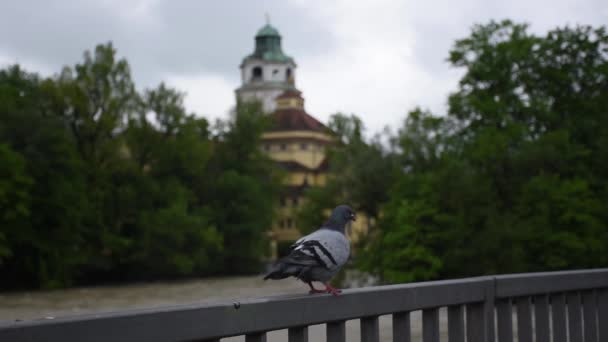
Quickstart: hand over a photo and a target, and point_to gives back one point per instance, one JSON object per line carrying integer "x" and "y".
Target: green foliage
{"x": 102, "y": 183}
{"x": 361, "y": 173}
{"x": 513, "y": 179}
{"x": 45, "y": 243}
{"x": 14, "y": 196}
{"x": 245, "y": 187}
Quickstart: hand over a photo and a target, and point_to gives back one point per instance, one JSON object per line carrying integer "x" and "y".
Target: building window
{"x": 282, "y": 224}
{"x": 256, "y": 74}
{"x": 283, "y": 201}
{"x": 288, "y": 73}
{"x": 304, "y": 146}
{"x": 266, "y": 147}
{"x": 295, "y": 201}
{"x": 283, "y": 147}
{"x": 289, "y": 223}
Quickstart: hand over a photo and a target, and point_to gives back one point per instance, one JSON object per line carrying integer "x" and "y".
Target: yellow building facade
{"x": 296, "y": 140}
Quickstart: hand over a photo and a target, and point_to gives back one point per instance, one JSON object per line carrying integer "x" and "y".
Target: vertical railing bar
{"x": 455, "y": 323}
{"x": 602, "y": 314}
{"x": 575, "y": 319}
{"x": 430, "y": 325}
{"x": 541, "y": 318}
{"x": 336, "y": 331}
{"x": 558, "y": 314}
{"x": 370, "y": 331}
{"x": 256, "y": 337}
{"x": 489, "y": 307}
{"x": 524, "y": 319}
{"x": 401, "y": 327}
{"x": 590, "y": 316}
{"x": 476, "y": 325}
{"x": 298, "y": 334}
{"x": 505, "y": 320}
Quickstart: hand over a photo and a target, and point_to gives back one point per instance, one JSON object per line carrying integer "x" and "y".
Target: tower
{"x": 267, "y": 72}
{"x": 295, "y": 140}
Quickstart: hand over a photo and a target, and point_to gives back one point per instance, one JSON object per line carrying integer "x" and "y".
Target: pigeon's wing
{"x": 323, "y": 249}
{"x": 295, "y": 264}
{"x": 329, "y": 248}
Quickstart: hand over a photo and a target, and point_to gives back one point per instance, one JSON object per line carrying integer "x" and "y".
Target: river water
{"x": 69, "y": 302}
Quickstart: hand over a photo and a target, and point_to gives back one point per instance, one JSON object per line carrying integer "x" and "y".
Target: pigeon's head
{"x": 340, "y": 216}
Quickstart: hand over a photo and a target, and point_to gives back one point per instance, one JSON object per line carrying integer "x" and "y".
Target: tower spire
{"x": 267, "y": 18}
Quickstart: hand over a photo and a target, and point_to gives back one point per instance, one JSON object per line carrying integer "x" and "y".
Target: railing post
{"x": 455, "y": 323}
{"x": 504, "y": 313}
{"x": 297, "y": 334}
{"x": 602, "y": 313}
{"x": 524, "y": 319}
{"x": 575, "y": 317}
{"x": 401, "y": 327}
{"x": 370, "y": 329}
{"x": 336, "y": 331}
{"x": 558, "y": 314}
{"x": 488, "y": 309}
{"x": 430, "y": 325}
{"x": 480, "y": 315}
{"x": 542, "y": 318}
{"x": 256, "y": 337}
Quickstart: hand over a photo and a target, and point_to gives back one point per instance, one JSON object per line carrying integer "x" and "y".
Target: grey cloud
{"x": 179, "y": 37}
{"x": 437, "y": 34}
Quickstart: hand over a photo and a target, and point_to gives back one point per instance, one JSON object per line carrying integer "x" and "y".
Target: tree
{"x": 46, "y": 238}
{"x": 170, "y": 229}
{"x": 101, "y": 183}
{"x": 512, "y": 180}
{"x": 15, "y": 198}
{"x": 360, "y": 174}
{"x": 244, "y": 189}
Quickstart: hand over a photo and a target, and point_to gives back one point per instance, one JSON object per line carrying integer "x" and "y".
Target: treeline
{"x": 513, "y": 178}
{"x": 100, "y": 182}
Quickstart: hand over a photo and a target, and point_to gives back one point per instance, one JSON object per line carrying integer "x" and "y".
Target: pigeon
{"x": 320, "y": 255}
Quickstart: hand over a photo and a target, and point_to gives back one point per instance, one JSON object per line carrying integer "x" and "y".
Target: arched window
{"x": 256, "y": 74}
{"x": 288, "y": 73}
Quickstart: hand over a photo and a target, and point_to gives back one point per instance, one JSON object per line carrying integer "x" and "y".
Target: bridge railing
{"x": 554, "y": 306}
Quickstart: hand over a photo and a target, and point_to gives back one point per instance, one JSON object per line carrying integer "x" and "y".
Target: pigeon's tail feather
{"x": 282, "y": 270}
{"x": 276, "y": 275}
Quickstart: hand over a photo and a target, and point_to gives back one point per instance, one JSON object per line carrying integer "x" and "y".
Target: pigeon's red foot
{"x": 334, "y": 291}
{"x": 313, "y": 290}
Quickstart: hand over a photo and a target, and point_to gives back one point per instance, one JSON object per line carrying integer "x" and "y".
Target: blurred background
{"x": 164, "y": 152}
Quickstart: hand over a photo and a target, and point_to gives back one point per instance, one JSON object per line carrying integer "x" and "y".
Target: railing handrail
{"x": 527, "y": 284}
{"x": 214, "y": 320}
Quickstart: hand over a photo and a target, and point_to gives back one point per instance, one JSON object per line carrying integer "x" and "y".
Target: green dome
{"x": 268, "y": 46}
{"x": 267, "y": 31}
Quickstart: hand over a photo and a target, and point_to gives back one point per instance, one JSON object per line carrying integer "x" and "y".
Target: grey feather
{"x": 319, "y": 255}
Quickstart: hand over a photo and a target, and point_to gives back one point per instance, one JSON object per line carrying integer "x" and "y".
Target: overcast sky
{"x": 377, "y": 58}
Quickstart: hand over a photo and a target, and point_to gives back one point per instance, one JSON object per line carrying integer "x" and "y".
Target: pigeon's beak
{"x": 353, "y": 217}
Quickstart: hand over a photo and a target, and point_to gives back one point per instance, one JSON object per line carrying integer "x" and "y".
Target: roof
{"x": 324, "y": 166}
{"x": 268, "y": 47}
{"x": 290, "y": 93}
{"x": 295, "y": 119}
{"x": 267, "y": 30}
{"x": 292, "y": 165}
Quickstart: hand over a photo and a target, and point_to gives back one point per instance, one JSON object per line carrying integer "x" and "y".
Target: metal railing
{"x": 554, "y": 306}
